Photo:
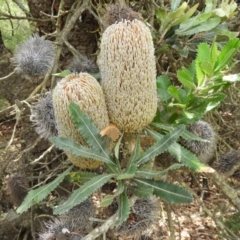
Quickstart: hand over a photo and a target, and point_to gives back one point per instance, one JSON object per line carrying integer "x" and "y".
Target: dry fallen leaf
{"x": 111, "y": 131}
{"x": 206, "y": 170}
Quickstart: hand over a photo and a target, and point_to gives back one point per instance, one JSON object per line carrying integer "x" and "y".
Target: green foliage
{"x": 14, "y": 31}
{"x": 37, "y": 195}
{"x": 233, "y": 223}
{"x": 183, "y": 27}
{"x": 202, "y": 84}
{"x": 81, "y": 194}
{"x": 169, "y": 192}
{"x": 124, "y": 177}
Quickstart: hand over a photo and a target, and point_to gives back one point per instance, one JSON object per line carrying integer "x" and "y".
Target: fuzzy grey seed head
{"x": 34, "y": 57}
{"x": 17, "y": 186}
{"x": 83, "y": 64}
{"x": 75, "y": 221}
{"x": 43, "y": 118}
{"x": 143, "y": 215}
{"x": 227, "y": 161}
{"x": 203, "y": 150}
{"x": 78, "y": 216}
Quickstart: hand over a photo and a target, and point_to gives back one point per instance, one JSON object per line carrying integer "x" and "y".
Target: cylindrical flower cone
{"x": 85, "y": 91}
{"x": 128, "y": 69}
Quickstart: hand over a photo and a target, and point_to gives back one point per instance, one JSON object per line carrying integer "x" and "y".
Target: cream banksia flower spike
{"x": 85, "y": 91}
{"x": 128, "y": 69}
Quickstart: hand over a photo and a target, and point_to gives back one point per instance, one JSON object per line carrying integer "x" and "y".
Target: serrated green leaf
{"x": 172, "y": 16}
{"x": 81, "y": 194}
{"x": 123, "y": 208}
{"x": 186, "y": 157}
{"x": 203, "y": 27}
{"x": 214, "y": 53}
{"x": 117, "y": 147}
{"x": 88, "y": 130}
{"x": 128, "y": 173}
{"x": 37, "y": 195}
{"x": 199, "y": 73}
{"x": 163, "y": 83}
{"x": 227, "y": 54}
{"x": 207, "y": 67}
{"x": 174, "y": 92}
{"x": 150, "y": 174}
{"x": 186, "y": 134}
{"x": 175, "y": 4}
{"x": 180, "y": 153}
{"x": 64, "y": 73}
{"x": 78, "y": 150}
{"x": 160, "y": 14}
{"x": 135, "y": 154}
{"x": 169, "y": 192}
{"x": 108, "y": 199}
{"x": 194, "y": 21}
{"x": 161, "y": 145}
{"x": 140, "y": 190}
{"x": 184, "y": 76}
{"x": 80, "y": 177}
{"x": 186, "y": 15}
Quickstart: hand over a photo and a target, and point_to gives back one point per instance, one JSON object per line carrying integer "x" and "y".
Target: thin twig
{"x": 9, "y": 75}
{"x": 42, "y": 156}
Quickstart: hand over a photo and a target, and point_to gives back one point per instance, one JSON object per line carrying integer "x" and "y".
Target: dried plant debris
{"x": 34, "y": 57}
{"x": 43, "y": 118}
{"x": 17, "y": 186}
{"x": 203, "y": 150}
{"x": 227, "y": 161}
{"x": 116, "y": 13}
{"x": 72, "y": 225}
{"x": 83, "y": 64}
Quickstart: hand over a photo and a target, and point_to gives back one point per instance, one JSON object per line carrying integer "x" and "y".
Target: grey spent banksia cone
{"x": 143, "y": 219}
{"x": 34, "y": 57}
{"x": 203, "y": 150}
{"x": 116, "y": 13}
{"x": 85, "y": 91}
{"x": 43, "y": 117}
{"x": 75, "y": 222}
{"x": 17, "y": 186}
{"x": 227, "y": 161}
{"x": 128, "y": 69}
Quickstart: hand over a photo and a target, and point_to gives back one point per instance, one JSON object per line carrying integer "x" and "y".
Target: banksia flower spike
{"x": 17, "y": 186}
{"x": 128, "y": 70}
{"x": 116, "y": 13}
{"x": 85, "y": 91}
{"x": 43, "y": 118}
{"x": 34, "y": 57}
{"x": 203, "y": 150}
{"x": 227, "y": 161}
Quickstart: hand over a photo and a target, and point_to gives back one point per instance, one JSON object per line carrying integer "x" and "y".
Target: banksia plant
{"x": 17, "y": 186}
{"x": 85, "y": 91}
{"x": 82, "y": 64}
{"x": 43, "y": 118}
{"x": 144, "y": 215}
{"x": 73, "y": 224}
{"x": 227, "y": 161}
{"x": 34, "y": 57}
{"x": 128, "y": 69}
{"x": 116, "y": 13}
{"x": 203, "y": 150}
